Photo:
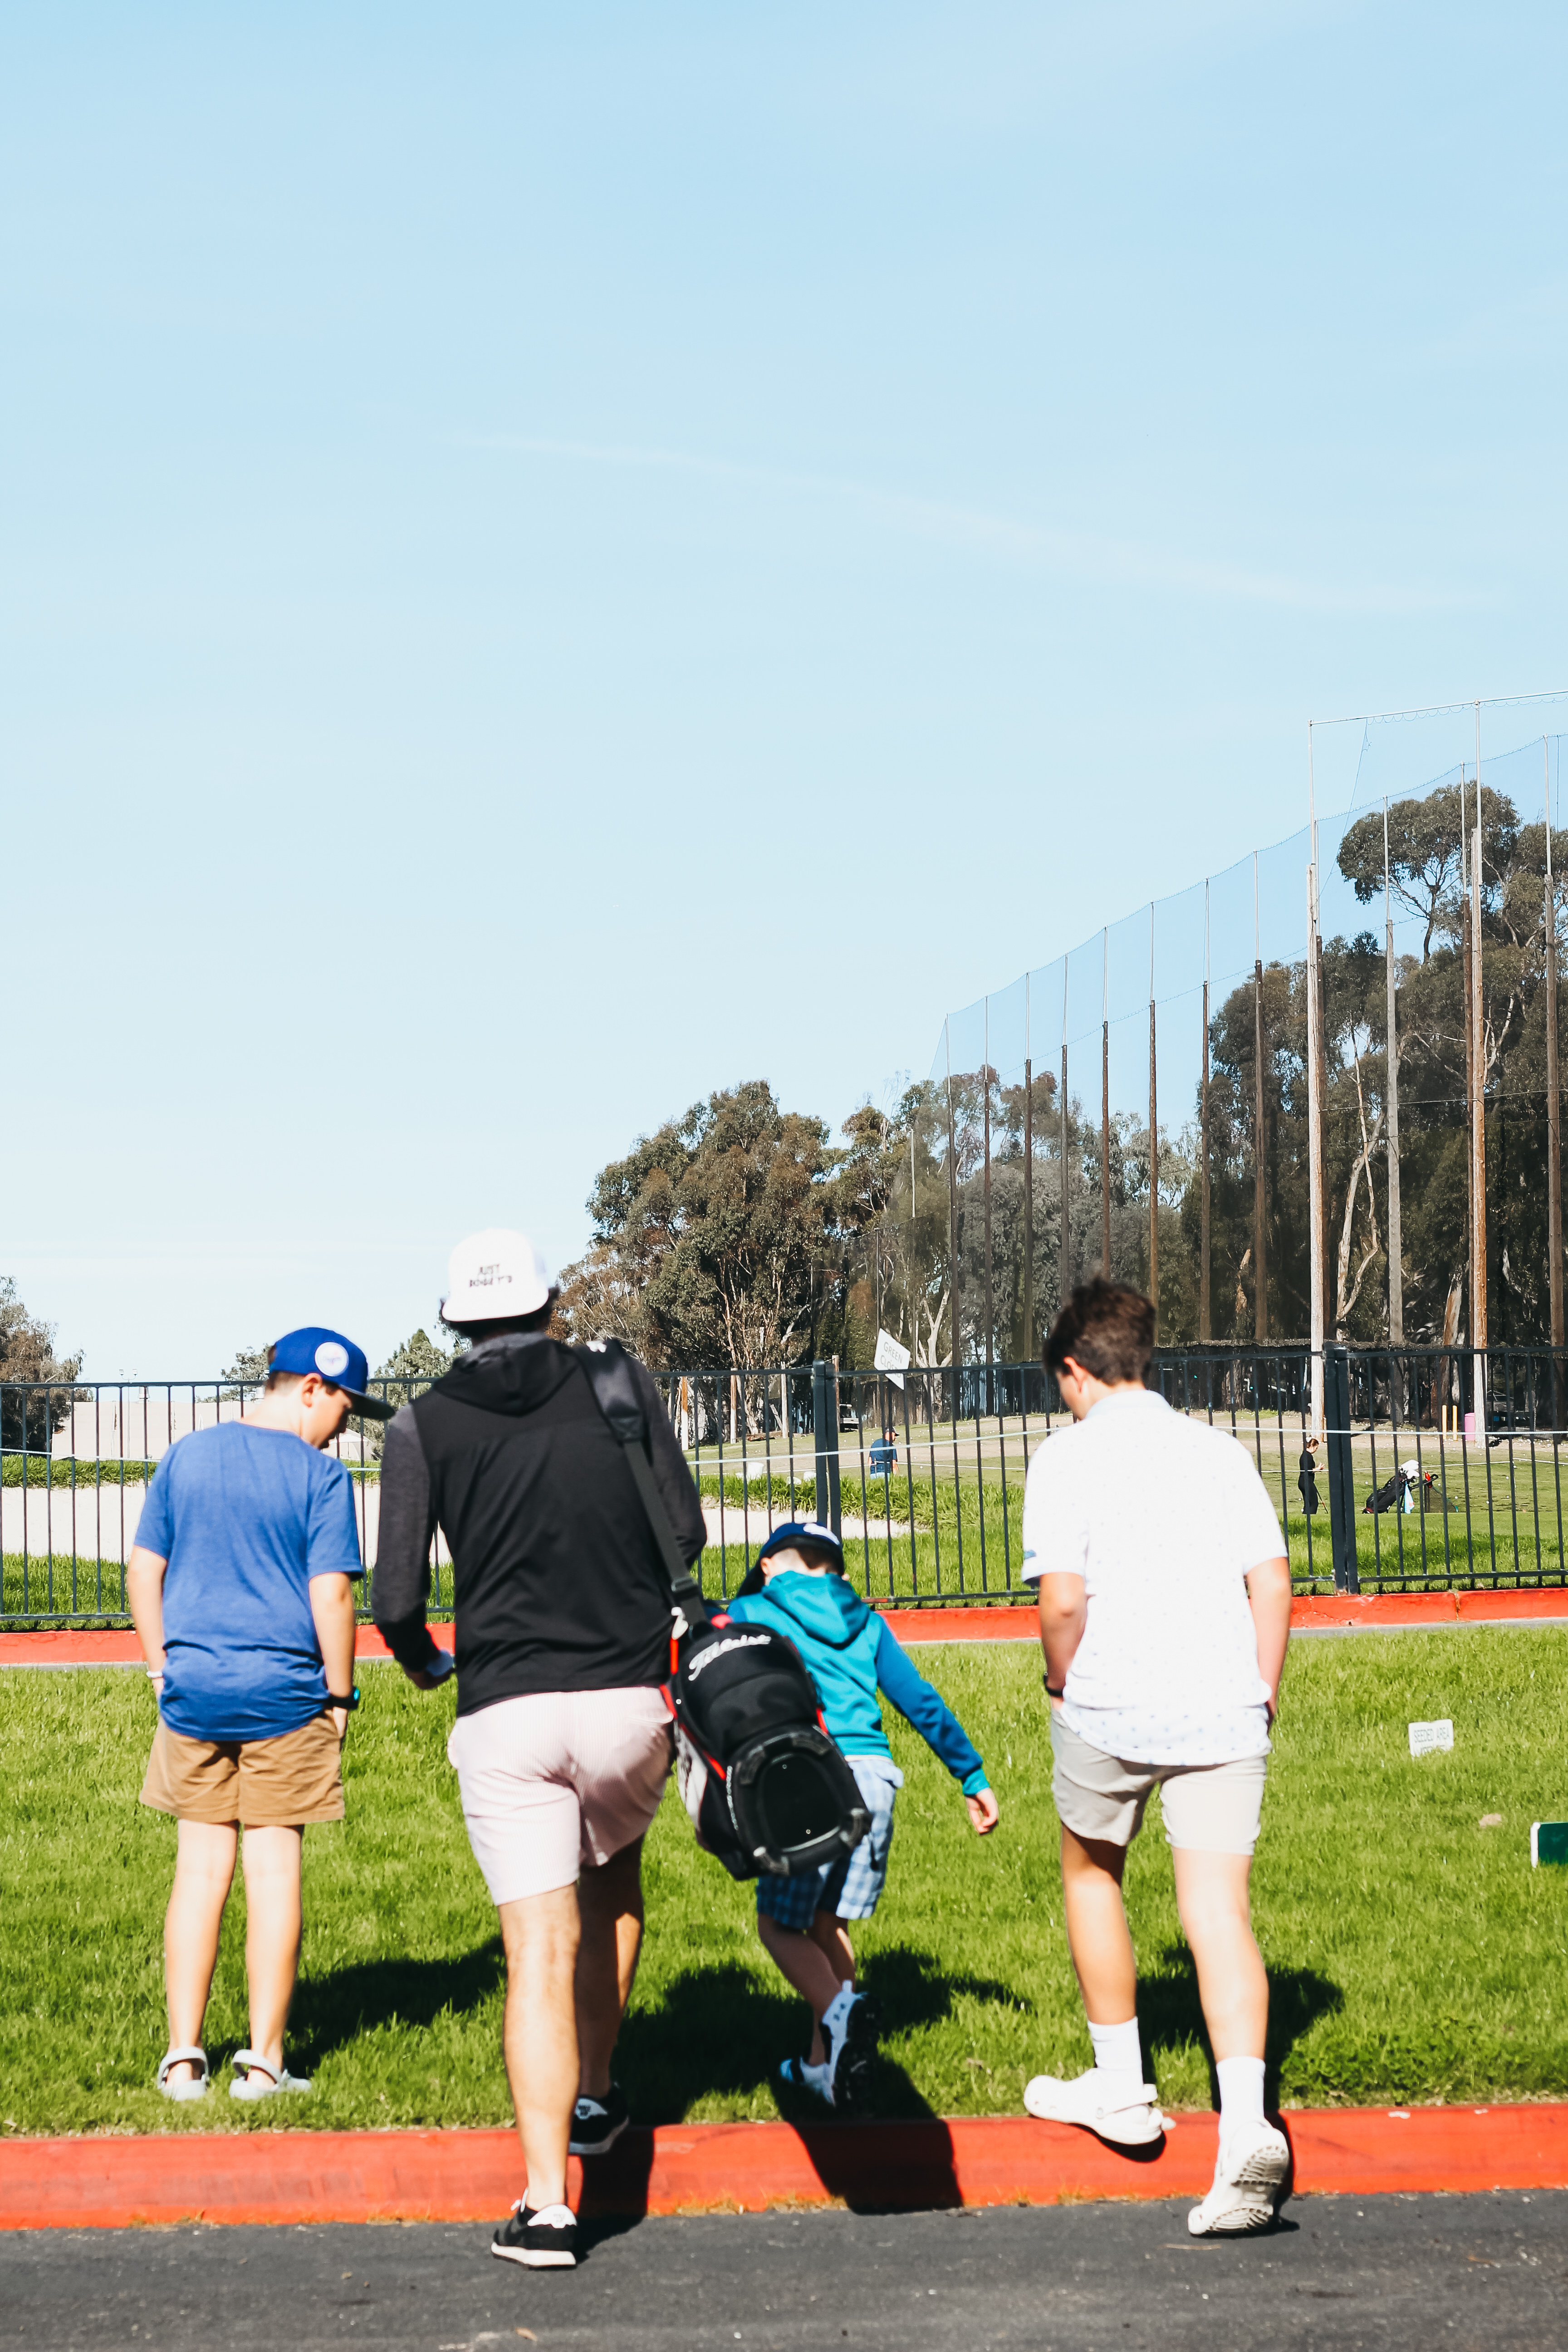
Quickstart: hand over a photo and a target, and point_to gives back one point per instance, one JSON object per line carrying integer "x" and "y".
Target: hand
{"x": 341, "y": 1723}
{"x": 984, "y": 1812}
{"x": 1273, "y": 1705}
{"x": 441, "y": 1669}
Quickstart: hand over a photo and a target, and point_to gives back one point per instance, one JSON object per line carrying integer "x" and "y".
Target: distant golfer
{"x": 1165, "y": 1633}
{"x": 561, "y": 1742}
{"x": 241, "y": 1588}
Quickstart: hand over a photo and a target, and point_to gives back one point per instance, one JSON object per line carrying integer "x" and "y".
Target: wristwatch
{"x": 349, "y": 1704}
{"x": 1053, "y": 1690}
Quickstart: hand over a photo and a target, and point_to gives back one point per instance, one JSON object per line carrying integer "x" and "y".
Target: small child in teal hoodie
{"x": 798, "y": 1587}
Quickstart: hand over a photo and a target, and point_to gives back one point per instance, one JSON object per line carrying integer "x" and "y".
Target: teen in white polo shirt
{"x": 1164, "y": 1596}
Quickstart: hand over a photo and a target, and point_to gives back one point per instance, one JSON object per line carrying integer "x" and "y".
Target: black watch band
{"x": 348, "y": 1704}
{"x": 1053, "y": 1690}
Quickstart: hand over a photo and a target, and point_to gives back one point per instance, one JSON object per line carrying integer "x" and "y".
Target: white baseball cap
{"x": 494, "y": 1275}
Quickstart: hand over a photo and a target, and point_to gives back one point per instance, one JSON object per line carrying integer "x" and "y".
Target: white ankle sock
{"x": 1240, "y": 2093}
{"x": 1117, "y": 2050}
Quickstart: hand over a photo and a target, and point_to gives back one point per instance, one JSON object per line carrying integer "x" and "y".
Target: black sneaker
{"x": 545, "y": 2241}
{"x": 850, "y": 2052}
{"x": 597, "y": 2124}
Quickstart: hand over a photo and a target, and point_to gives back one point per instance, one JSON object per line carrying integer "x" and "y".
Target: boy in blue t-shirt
{"x": 798, "y": 1587}
{"x": 240, "y": 1585}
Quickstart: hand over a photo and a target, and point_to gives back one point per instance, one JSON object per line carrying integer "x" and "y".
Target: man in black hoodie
{"x": 562, "y": 1740}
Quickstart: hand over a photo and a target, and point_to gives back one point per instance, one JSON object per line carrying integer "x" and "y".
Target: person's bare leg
{"x": 828, "y": 1930}
{"x": 272, "y": 1930}
{"x": 1216, "y": 1920}
{"x": 1098, "y": 1934}
{"x": 204, "y": 1873}
{"x": 610, "y": 1903}
{"x": 539, "y": 2037}
{"x": 802, "y": 1960}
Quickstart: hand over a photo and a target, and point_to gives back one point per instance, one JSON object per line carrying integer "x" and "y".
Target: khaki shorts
{"x": 558, "y": 1781}
{"x": 262, "y": 1784}
{"x": 1208, "y": 1808}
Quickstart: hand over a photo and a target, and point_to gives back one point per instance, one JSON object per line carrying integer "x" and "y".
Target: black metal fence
{"x": 1419, "y": 1469}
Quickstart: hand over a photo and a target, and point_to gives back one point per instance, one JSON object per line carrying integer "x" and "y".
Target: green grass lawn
{"x": 1414, "y": 1956}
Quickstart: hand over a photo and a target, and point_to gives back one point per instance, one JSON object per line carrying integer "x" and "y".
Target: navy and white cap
{"x": 332, "y": 1357}
{"x": 799, "y": 1531}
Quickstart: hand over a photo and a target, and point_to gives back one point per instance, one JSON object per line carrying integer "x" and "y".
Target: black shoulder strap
{"x": 610, "y": 1376}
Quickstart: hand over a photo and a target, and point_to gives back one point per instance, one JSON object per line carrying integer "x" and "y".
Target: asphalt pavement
{"x": 1393, "y": 2271}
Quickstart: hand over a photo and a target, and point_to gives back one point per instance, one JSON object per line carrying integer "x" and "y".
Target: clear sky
{"x": 557, "y": 557}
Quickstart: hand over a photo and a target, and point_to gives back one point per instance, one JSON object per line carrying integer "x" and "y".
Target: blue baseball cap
{"x": 332, "y": 1357}
{"x": 799, "y": 1531}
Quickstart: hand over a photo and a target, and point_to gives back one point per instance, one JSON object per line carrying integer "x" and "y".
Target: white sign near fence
{"x": 892, "y": 1359}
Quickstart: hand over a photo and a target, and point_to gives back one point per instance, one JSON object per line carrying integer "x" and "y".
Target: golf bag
{"x": 763, "y": 1784}
{"x": 1390, "y": 1495}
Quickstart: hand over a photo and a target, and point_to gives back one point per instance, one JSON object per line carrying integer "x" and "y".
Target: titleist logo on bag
{"x": 716, "y": 1649}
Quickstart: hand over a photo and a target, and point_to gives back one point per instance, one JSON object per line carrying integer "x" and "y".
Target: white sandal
{"x": 260, "y": 2081}
{"x": 192, "y": 2055}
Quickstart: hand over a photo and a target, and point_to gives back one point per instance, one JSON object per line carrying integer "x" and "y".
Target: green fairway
{"x": 1414, "y": 1956}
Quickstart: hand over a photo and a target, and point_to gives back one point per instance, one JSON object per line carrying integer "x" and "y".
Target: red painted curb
{"x": 1319, "y": 1609}
{"x": 67, "y": 1646}
{"x": 473, "y": 2176}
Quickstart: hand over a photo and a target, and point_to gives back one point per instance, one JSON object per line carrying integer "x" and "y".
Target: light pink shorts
{"x": 558, "y": 1781}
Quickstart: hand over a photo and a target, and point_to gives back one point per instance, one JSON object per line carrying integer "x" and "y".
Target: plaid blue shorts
{"x": 852, "y": 1886}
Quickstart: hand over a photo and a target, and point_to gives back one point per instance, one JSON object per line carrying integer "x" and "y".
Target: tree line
{"x": 743, "y": 1233}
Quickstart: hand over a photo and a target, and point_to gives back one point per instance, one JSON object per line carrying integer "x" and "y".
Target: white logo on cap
{"x": 331, "y": 1358}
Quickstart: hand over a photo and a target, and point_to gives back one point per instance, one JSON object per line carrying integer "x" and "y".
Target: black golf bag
{"x": 763, "y": 1784}
{"x": 1390, "y": 1495}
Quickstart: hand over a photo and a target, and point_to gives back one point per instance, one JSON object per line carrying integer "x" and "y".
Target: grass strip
{"x": 1414, "y": 1956}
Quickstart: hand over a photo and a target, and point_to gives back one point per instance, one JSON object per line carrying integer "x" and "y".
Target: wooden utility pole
{"x": 1153, "y": 1180}
{"x": 1478, "y": 1128}
{"x": 952, "y": 1227}
{"x": 1064, "y": 1267}
{"x": 1479, "y": 1316}
{"x": 1315, "y": 1069}
{"x": 990, "y": 1301}
{"x": 1395, "y": 1252}
{"x": 1105, "y": 1113}
{"x": 1259, "y": 1133}
{"x": 1028, "y": 1199}
{"x": 1153, "y": 1145}
{"x": 1206, "y": 1321}
{"x": 1553, "y": 1102}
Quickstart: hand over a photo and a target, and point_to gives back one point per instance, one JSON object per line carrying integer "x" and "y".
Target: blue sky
{"x": 556, "y": 559}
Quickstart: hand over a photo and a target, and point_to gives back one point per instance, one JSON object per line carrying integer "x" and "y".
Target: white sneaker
{"x": 849, "y": 2029}
{"x": 801, "y": 2075}
{"x": 1101, "y": 2105}
{"x": 1248, "y": 2176}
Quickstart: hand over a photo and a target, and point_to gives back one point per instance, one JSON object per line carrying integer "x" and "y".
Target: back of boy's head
{"x": 1107, "y": 1328}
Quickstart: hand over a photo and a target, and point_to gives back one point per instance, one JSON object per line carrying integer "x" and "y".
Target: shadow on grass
{"x": 1171, "y": 2016}
{"x": 717, "y": 2030}
{"x": 334, "y": 2010}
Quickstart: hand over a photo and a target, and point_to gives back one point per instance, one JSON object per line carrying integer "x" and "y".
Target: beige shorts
{"x": 1208, "y": 1808}
{"x": 263, "y": 1784}
{"x": 557, "y": 1781}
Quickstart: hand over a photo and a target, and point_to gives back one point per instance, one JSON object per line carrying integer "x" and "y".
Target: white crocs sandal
{"x": 193, "y": 2054}
{"x": 260, "y": 2083}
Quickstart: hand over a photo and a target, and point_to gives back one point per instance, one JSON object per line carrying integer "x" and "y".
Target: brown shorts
{"x": 263, "y": 1784}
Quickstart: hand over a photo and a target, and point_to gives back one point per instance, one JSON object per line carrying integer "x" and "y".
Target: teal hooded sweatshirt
{"x": 851, "y": 1654}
